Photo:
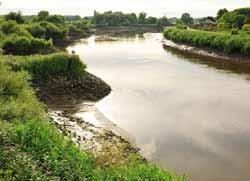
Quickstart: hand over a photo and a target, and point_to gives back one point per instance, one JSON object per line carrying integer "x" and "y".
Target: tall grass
{"x": 220, "y": 41}
{"x": 47, "y": 66}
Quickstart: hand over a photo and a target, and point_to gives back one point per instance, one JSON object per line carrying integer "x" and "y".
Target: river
{"x": 185, "y": 115}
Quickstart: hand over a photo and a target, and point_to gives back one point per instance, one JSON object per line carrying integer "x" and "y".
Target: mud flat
{"x": 71, "y": 107}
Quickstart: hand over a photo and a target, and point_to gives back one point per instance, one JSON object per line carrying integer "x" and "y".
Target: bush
{"x": 219, "y": 42}
{"x": 11, "y": 27}
{"x": 234, "y": 45}
{"x": 36, "y": 30}
{"x": 20, "y": 45}
{"x": 15, "y": 17}
{"x": 47, "y": 66}
{"x": 53, "y": 32}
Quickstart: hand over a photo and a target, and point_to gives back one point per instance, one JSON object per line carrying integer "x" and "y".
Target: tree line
{"x": 110, "y": 18}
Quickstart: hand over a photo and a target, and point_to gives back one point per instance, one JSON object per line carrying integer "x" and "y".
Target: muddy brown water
{"x": 186, "y": 114}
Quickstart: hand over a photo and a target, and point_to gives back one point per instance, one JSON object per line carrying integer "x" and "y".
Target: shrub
{"x": 16, "y": 97}
{"x": 47, "y": 66}
{"x": 20, "y": 45}
{"x": 15, "y": 17}
{"x": 11, "y": 27}
{"x": 52, "y": 31}
{"x": 219, "y": 42}
{"x": 36, "y": 30}
{"x": 234, "y": 45}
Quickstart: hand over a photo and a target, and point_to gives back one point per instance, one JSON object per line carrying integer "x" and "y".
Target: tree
{"x": 163, "y": 21}
{"x": 57, "y": 19}
{"x": 187, "y": 19}
{"x": 142, "y": 18}
{"x": 43, "y": 15}
{"x": 132, "y": 18}
{"x": 15, "y": 17}
{"x": 151, "y": 20}
{"x": 221, "y": 12}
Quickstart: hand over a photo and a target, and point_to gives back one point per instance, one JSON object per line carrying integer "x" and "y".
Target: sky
{"x": 169, "y": 8}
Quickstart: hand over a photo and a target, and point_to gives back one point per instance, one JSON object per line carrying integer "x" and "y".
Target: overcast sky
{"x": 169, "y": 8}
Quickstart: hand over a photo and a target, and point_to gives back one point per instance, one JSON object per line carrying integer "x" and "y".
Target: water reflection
{"x": 188, "y": 117}
{"x": 227, "y": 65}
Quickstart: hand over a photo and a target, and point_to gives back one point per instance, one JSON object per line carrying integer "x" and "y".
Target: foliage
{"x": 222, "y": 41}
{"x": 21, "y": 45}
{"x": 42, "y": 15}
{"x": 11, "y": 27}
{"x": 235, "y": 19}
{"x": 110, "y": 18}
{"x": 142, "y": 18}
{"x": 221, "y": 12}
{"x": 46, "y": 66}
{"x": 15, "y": 17}
{"x": 187, "y": 19}
{"x": 235, "y": 31}
{"x": 52, "y": 31}
{"x": 164, "y": 21}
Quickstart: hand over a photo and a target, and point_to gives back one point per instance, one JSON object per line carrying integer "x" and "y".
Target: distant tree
{"x": 142, "y": 18}
{"x": 163, "y": 21}
{"x": 57, "y": 19}
{"x": 187, "y": 19}
{"x": 151, "y": 20}
{"x": 15, "y": 17}
{"x": 43, "y": 15}
{"x": 221, "y": 12}
{"x": 132, "y": 18}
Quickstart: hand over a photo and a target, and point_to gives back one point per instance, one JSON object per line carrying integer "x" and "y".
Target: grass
{"x": 33, "y": 149}
{"x": 219, "y": 41}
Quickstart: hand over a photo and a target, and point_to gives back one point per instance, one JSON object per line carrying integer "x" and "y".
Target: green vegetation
{"x": 26, "y": 35}
{"x": 221, "y": 41}
{"x": 110, "y": 18}
{"x": 230, "y": 33}
{"x": 33, "y": 149}
{"x": 187, "y": 19}
{"x": 234, "y": 19}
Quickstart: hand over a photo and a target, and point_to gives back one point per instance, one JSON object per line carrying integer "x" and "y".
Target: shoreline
{"x": 71, "y": 108}
{"x": 234, "y": 62}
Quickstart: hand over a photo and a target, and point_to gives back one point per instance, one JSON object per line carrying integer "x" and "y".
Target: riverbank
{"x": 234, "y": 62}
{"x": 69, "y": 100}
{"x": 37, "y": 142}
{"x": 224, "y": 44}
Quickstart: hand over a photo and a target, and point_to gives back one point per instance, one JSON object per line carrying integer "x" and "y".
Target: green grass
{"x": 33, "y": 149}
{"x": 219, "y": 41}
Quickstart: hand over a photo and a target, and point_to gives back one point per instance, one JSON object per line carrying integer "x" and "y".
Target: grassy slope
{"x": 219, "y": 41}
{"x": 33, "y": 149}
